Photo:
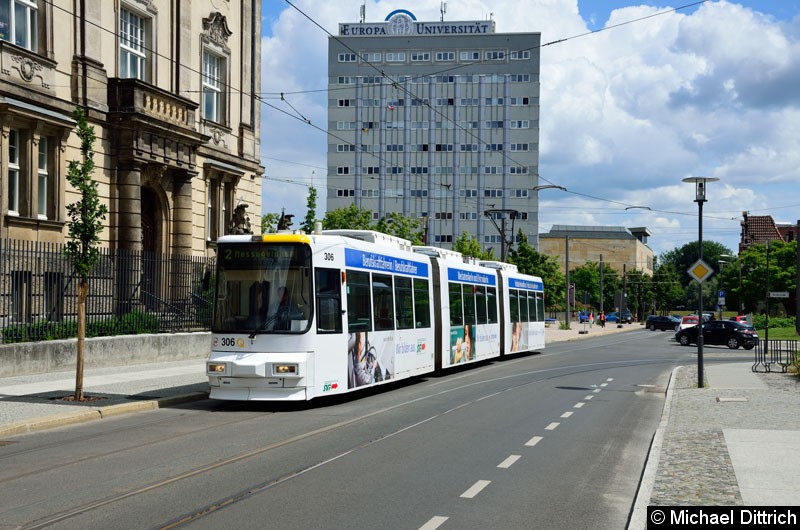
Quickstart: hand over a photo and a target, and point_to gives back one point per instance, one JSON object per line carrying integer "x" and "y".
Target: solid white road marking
{"x": 434, "y": 523}
{"x": 508, "y": 462}
{"x": 533, "y": 441}
{"x": 552, "y": 426}
{"x": 475, "y": 489}
{"x": 566, "y": 415}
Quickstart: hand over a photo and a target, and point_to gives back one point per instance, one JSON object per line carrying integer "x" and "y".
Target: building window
{"x": 43, "y": 178}
{"x": 469, "y": 56}
{"x": 347, "y": 57}
{"x": 19, "y": 23}
{"x": 395, "y": 57}
{"x": 132, "y": 45}
{"x": 213, "y": 80}
{"x": 220, "y": 208}
{"x": 420, "y": 56}
{"x": 343, "y": 170}
{"x": 13, "y": 172}
{"x": 445, "y": 56}
{"x": 495, "y": 55}
{"x": 520, "y": 55}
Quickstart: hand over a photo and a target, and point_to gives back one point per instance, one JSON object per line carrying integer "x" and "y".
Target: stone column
{"x": 182, "y": 213}
{"x": 129, "y": 207}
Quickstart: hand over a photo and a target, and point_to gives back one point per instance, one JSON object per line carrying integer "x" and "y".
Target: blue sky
{"x": 626, "y": 113}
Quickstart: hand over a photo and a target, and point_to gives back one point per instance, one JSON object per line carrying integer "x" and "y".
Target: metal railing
{"x": 775, "y": 352}
{"x": 129, "y": 292}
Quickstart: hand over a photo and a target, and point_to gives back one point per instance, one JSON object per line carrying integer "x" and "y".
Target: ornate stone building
{"x": 170, "y": 88}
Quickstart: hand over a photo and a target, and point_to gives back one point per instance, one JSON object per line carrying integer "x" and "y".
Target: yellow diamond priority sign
{"x": 700, "y": 271}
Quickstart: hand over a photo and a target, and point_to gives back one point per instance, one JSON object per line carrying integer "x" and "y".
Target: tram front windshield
{"x": 263, "y": 288}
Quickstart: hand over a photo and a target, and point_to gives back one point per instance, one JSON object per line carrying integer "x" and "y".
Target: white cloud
{"x": 626, "y": 113}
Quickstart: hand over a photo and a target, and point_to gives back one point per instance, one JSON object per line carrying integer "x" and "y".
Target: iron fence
{"x": 782, "y": 353}
{"x": 129, "y": 292}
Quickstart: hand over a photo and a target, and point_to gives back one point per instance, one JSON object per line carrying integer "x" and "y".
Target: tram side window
{"x": 456, "y": 305}
{"x": 523, "y": 307}
{"x": 359, "y": 313}
{"x": 480, "y": 304}
{"x": 422, "y": 304}
{"x": 491, "y": 304}
{"x": 513, "y": 295}
{"x": 404, "y": 302}
{"x": 540, "y": 307}
{"x": 469, "y": 304}
{"x": 329, "y": 300}
{"x": 383, "y": 301}
{"x": 532, "y": 307}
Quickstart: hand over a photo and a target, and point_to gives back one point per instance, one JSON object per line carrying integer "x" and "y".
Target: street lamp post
{"x": 700, "y": 198}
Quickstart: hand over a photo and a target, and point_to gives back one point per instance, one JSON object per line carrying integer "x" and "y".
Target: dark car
{"x": 626, "y": 317}
{"x": 724, "y": 332}
{"x": 664, "y": 323}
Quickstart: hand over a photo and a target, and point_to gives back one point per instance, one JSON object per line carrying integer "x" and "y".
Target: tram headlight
{"x": 216, "y": 368}
{"x": 284, "y": 369}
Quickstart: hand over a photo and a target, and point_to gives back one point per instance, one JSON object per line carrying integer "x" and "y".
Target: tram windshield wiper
{"x": 263, "y": 325}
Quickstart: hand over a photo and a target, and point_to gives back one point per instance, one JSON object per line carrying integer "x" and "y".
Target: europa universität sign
{"x": 401, "y": 22}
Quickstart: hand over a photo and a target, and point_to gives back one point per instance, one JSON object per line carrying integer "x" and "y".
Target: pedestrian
{"x": 602, "y": 319}
{"x": 591, "y": 319}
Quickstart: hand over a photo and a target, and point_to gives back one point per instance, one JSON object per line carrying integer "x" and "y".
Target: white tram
{"x": 299, "y": 316}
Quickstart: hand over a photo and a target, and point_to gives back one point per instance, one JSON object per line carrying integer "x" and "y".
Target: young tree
{"x": 85, "y": 224}
{"x": 311, "y": 214}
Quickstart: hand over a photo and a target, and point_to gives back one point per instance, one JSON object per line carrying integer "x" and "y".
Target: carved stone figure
{"x": 240, "y": 222}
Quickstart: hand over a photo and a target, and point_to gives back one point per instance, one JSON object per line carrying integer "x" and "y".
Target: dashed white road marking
{"x": 508, "y": 462}
{"x": 552, "y": 426}
{"x": 596, "y": 390}
{"x": 434, "y": 523}
{"x": 587, "y": 398}
{"x": 610, "y": 379}
{"x": 475, "y": 489}
{"x": 604, "y": 384}
{"x": 578, "y": 405}
{"x": 533, "y": 441}
{"x": 566, "y": 415}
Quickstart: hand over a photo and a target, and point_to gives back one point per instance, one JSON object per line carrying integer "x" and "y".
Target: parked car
{"x": 725, "y": 332}
{"x": 664, "y": 323}
{"x": 626, "y": 317}
{"x": 687, "y": 322}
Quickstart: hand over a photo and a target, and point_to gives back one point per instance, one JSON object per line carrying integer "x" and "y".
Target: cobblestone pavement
{"x": 694, "y": 467}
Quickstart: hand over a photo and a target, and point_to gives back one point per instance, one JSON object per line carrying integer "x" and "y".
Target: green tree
{"x": 667, "y": 290}
{"x": 587, "y": 280}
{"x": 684, "y": 257}
{"x": 529, "y": 261}
{"x": 85, "y": 223}
{"x": 468, "y": 245}
{"x": 352, "y": 217}
{"x": 311, "y": 213}
{"x": 398, "y": 225}
{"x": 782, "y": 275}
{"x": 269, "y": 223}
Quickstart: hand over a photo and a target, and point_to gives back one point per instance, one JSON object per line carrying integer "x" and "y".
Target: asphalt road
{"x": 554, "y": 440}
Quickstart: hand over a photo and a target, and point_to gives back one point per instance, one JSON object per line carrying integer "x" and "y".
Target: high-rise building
{"x": 437, "y": 121}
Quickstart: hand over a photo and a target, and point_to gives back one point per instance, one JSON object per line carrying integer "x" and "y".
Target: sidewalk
{"x": 31, "y": 402}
